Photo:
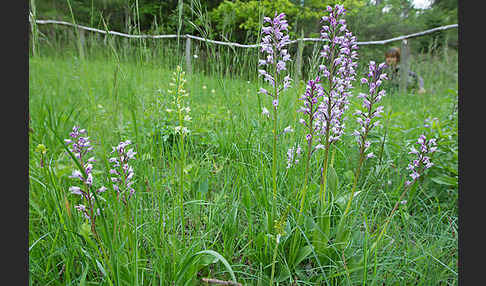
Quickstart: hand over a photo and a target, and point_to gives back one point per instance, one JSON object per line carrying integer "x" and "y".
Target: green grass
{"x": 228, "y": 185}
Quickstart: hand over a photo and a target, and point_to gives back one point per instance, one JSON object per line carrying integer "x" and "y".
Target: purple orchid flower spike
{"x": 123, "y": 174}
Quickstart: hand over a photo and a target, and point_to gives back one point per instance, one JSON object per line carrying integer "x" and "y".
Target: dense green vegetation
{"x": 119, "y": 90}
{"x": 239, "y": 20}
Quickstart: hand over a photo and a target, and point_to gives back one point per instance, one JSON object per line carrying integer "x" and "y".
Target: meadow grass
{"x": 228, "y": 179}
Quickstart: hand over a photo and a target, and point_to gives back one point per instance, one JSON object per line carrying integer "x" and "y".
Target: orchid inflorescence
{"x": 273, "y": 45}
{"x": 310, "y": 99}
{"x": 422, "y": 162}
{"x": 80, "y": 146}
{"x": 366, "y": 116}
{"x": 182, "y": 112}
{"x": 293, "y": 156}
{"x": 122, "y": 171}
{"x": 339, "y": 57}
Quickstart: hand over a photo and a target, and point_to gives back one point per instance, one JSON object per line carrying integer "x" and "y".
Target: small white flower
{"x": 265, "y": 112}
{"x": 320, "y": 146}
{"x": 288, "y": 129}
{"x": 131, "y": 154}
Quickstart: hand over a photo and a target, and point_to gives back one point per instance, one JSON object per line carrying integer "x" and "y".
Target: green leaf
{"x": 342, "y": 200}
{"x": 283, "y": 275}
{"x": 349, "y": 175}
{"x": 332, "y": 179}
{"x": 82, "y": 282}
{"x": 445, "y": 180}
{"x": 342, "y": 237}
{"x": 325, "y": 224}
{"x": 202, "y": 186}
{"x": 309, "y": 223}
{"x": 303, "y": 253}
{"x": 102, "y": 269}
{"x": 319, "y": 240}
{"x": 205, "y": 260}
{"x": 195, "y": 259}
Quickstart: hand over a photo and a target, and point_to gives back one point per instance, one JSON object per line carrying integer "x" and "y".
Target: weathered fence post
{"x": 81, "y": 43}
{"x": 33, "y": 35}
{"x": 404, "y": 65}
{"x": 33, "y": 27}
{"x": 188, "y": 55}
{"x": 298, "y": 62}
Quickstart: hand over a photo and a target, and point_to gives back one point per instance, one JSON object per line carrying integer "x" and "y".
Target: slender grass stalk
{"x": 77, "y": 35}
{"x": 355, "y": 181}
{"x": 274, "y": 259}
{"x": 181, "y": 180}
{"x": 323, "y": 182}
{"x": 383, "y": 230}
{"x": 178, "y": 92}
{"x": 306, "y": 179}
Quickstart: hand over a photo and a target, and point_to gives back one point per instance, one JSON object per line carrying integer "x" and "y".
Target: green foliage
{"x": 228, "y": 170}
{"x": 244, "y": 18}
{"x": 375, "y": 22}
{"x": 445, "y": 174}
{"x": 228, "y": 164}
{"x": 438, "y": 15}
{"x": 240, "y": 20}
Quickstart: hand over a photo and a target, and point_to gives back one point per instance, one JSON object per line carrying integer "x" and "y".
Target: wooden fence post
{"x": 298, "y": 62}
{"x": 33, "y": 27}
{"x": 33, "y": 38}
{"x": 188, "y": 56}
{"x": 404, "y": 65}
{"x": 81, "y": 43}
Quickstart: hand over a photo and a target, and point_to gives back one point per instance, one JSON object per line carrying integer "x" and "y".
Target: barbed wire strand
{"x": 383, "y": 42}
